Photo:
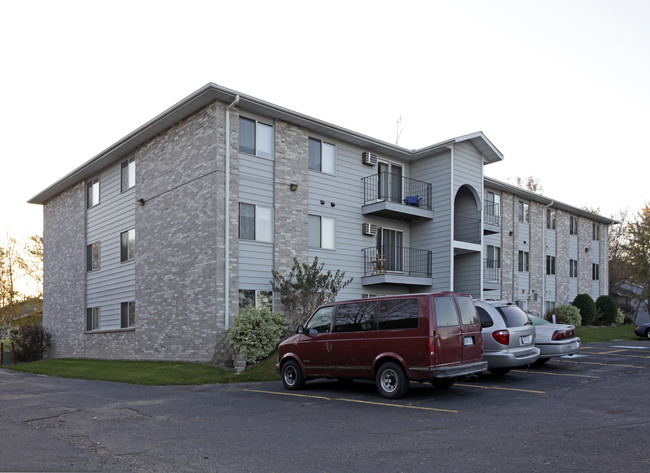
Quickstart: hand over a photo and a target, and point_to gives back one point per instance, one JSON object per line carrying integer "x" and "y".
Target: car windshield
{"x": 538, "y": 320}
{"x": 514, "y": 316}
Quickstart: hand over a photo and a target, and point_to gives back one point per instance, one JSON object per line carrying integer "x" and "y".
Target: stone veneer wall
{"x": 537, "y": 258}
{"x": 509, "y": 249}
{"x": 562, "y": 258}
{"x": 64, "y": 271}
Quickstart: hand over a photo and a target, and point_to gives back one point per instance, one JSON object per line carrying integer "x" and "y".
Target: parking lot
{"x": 584, "y": 413}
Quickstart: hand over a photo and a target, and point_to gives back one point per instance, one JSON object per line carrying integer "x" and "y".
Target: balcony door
{"x": 390, "y": 181}
{"x": 390, "y": 244}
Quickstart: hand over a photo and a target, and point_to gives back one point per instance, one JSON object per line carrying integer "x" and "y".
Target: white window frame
{"x": 523, "y": 261}
{"x": 573, "y": 225}
{"x": 550, "y": 219}
{"x": 262, "y": 223}
{"x": 595, "y": 272}
{"x": 130, "y": 245}
{"x": 261, "y": 134}
{"x": 127, "y": 174}
{"x": 325, "y": 166}
{"x": 595, "y": 231}
{"x": 524, "y": 212}
{"x": 550, "y": 265}
{"x": 257, "y": 302}
{"x": 92, "y": 193}
{"x": 92, "y": 315}
{"x": 573, "y": 268}
{"x": 129, "y": 308}
{"x": 92, "y": 257}
{"x": 327, "y": 232}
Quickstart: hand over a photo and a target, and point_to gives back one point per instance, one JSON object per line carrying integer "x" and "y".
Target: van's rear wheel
{"x": 443, "y": 383}
{"x": 292, "y": 377}
{"x": 391, "y": 380}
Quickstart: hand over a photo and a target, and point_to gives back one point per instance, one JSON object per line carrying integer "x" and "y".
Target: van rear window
{"x": 514, "y": 316}
{"x": 356, "y": 317}
{"x": 445, "y": 311}
{"x": 467, "y": 310}
{"x": 398, "y": 314}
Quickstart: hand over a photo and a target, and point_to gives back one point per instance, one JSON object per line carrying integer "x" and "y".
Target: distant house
{"x": 153, "y": 246}
{"x": 628, "y": 297}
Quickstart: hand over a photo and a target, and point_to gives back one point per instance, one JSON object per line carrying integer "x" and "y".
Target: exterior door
{"x": 390, "y": 245}
{"x": 315, "y": 343}
{"x": 390, "y": 182}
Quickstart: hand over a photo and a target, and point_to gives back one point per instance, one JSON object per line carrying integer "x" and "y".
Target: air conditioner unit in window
{"x": 369, "y": 229}
{"x": 369, "y": 158}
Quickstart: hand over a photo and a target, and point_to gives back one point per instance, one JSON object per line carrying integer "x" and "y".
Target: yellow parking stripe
{"x": 556, "y": 374}
{"x": 601, "y": 364}
{"x": 500, "y": 388}
{"x": 351, "y": 400}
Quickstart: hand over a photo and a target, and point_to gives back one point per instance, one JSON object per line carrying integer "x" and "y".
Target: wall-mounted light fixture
{"x": 140, "y": 202}
{"x": 511, "y": 233}
{"x": 322, "y": 202}
{"x": 332, "y": 204}
{"x": 293, "y": 187}
{"x": 586, "y": 250}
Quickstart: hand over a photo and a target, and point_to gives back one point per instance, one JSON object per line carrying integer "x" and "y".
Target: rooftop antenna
{"x": 399, "y": 129}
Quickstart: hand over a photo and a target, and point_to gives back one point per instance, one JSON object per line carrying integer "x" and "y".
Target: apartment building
{"x": 153, "y": 246}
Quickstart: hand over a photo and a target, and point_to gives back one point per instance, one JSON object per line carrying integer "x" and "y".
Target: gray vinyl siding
{"x": 436, "y": 235}
{"x": 114, "y": 281}
{"x": 468, "y": 167}
{"x": 256, "y": 187}
{"x": 467, "y": 270}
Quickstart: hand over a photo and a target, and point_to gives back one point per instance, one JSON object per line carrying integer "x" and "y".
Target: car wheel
{"x": 292, "y": 377}
{"x": 647, "y": 334}
{"x": 391, "y": 380}
{"x": 540, "y": 361}
{"x": 443, "y": 383}
{"x": 498, "y": 371}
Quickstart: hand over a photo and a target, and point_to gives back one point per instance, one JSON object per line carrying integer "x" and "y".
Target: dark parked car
{"x": 390, "y": 339}
{"x": 643, "y": 330}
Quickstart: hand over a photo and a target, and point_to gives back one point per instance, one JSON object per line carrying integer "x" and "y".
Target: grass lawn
{"x": 172, "y": 373}
{"x": 607, "y": 334}
{"x": 148, "y": 372}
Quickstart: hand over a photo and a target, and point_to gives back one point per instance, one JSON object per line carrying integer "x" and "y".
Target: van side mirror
{"x": 300, "y": 330}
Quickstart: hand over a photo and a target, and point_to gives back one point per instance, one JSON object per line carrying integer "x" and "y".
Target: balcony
{"x": 396, "y": 265}
{"x": 467, "y": 229}
{"x": 491, "y": 271}
{"x": 394, "y": 196}
{"x": 491, "y": 218}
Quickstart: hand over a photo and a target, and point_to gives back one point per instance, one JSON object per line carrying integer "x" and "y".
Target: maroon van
{"x": 390, "y": 339}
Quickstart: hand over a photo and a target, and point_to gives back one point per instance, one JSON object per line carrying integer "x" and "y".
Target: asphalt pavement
{"x": 584, "y": 413}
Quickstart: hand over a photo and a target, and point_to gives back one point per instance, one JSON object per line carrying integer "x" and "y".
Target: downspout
{"x": 544, "y": 259}
{"x": 227, "y": 217}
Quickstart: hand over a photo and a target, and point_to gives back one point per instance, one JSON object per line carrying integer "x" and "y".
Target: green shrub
{"x": 587, "y": 308}
{"x": 620, "y": 317}
{"x": 256, "y": 332}
{"x": 568, "y": 314}
{"x": 606, "y": 309}
{"x": 31, "y": 341}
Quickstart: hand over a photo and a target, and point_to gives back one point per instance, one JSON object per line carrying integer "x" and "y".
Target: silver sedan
{"x": 554, "y": 339}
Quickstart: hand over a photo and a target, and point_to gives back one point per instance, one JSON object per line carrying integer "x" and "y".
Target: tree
{"x": 305, "y": 288}
{"x": 637, "y": 251}
{"x": 530, "y": 183}
{"x": 616, "y": 248}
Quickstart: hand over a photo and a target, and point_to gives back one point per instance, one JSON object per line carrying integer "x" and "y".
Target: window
{"x": 550, "y": 305}
{"x": 92, "y": 318}
{"x": 493, "y": 260}
{"x": 573, "y": 268}
{"x": 92, "y": 256}
{"x": 595, "y": 231}
{"x": 390, "y": 245}
{"x": 322, "y": 156}
{"x": 255, "y": 298}
{"x": 92, "y": 193}
{"x": 321, "y": 321}
{"x": 550, "y": 219}
{"x": 398, "y": 314}
{"x": 255, "y": 222}
{"x": 523, "y": 305}
{"x": 128, "y": 314}
{"x": 445, "y": 308}
{"x": 595, "y": 272}
{"x": 523, "y": 261}
{"x": 255, "y": 138}
{"x": 550, "y": 265}
{"x": 524, "y": 212}
{"x": 127, "y": 251}
{"x": 467, "y": 310}
{"x": 128, "y": 174}
{"x": 357, "y": 317}
{"x": 573, "y": 225}
{"x": 322, "y": 231}
{"x": 493, "y": 204}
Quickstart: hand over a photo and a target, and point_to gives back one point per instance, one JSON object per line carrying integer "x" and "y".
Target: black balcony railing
{"x": 492, "y": 214}
{"x": 467, "y": 229}
{"x": 389, "y": 187}
{"x": 379, "y": 260}
{"x": 491, "y": 270}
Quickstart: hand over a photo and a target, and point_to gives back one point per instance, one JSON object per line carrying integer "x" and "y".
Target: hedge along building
{"x": 152, "y": 247}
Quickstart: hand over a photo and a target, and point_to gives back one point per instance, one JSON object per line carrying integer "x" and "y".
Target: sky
{"x": 560, "y": 87}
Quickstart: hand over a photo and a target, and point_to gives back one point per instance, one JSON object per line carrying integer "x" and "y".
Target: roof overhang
{"x": 528, "y": 195}
{"x": 213, "y": 92}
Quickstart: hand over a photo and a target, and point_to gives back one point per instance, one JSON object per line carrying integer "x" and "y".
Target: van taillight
{"x": 502, "y": 336}
{"x": 432, "y": 343}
